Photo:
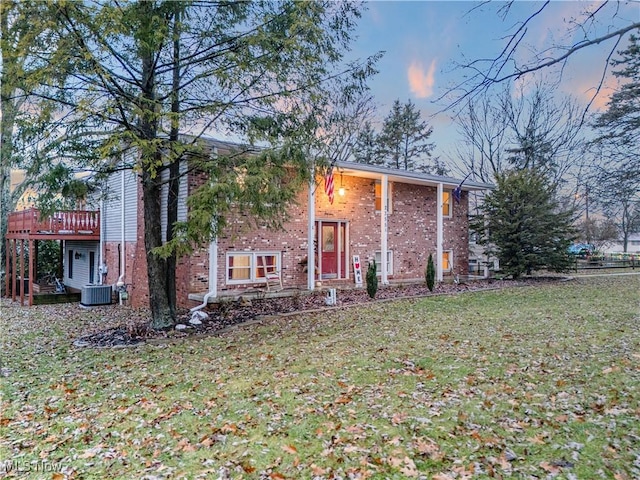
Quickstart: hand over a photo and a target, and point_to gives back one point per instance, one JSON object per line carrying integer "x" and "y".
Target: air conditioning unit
{"x": 95, "y": 295}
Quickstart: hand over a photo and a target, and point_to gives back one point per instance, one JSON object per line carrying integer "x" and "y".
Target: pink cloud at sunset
{"x": 420, "y": 82}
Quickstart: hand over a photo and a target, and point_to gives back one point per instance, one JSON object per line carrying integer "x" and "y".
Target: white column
{"x": 311, "y": 217}
{"x": 213, "y": 268}
{"x": 384, "y": 211}
{"x": 439, "y": 236}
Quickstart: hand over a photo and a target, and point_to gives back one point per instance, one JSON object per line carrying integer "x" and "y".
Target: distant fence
{"x": 616, "y": 260}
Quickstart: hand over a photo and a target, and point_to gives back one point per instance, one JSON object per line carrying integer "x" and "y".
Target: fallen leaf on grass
{"x": 316, "y": 470}
{"x": 536, "y": 440}
{"x": 428, "y": 448}
{"x": 290, "y": 449}
{"x": 549, "y": 468}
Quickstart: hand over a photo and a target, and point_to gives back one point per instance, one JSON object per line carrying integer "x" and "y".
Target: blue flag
{"x": 457, "y": 192}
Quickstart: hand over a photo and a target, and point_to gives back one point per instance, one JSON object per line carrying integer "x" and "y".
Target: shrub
{"x": 372, "y": 279}
{"x": 430, "y": 274}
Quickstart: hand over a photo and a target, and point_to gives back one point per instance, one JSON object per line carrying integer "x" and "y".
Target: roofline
{"x": 409, "y": 176}
{"x": 406, "y": 176}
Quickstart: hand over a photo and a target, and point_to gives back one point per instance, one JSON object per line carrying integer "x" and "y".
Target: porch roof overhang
{"x": 363, "y": 170}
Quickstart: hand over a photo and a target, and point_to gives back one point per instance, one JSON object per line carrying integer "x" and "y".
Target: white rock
{"x": 199, "y": 315}
{"x": 195, "y": 321}
{"x": 181, "y": 326}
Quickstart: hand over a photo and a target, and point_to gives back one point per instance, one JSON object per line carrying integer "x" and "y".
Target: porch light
{"x": 341, "y": 190}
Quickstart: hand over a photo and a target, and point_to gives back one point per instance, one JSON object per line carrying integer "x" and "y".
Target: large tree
{"x": 23, "y": 33}
{"x": 522, "y": 223}
{"x": 404, "y": 140}
{"x": 596, "y": 24}
{"x": 616, "y": 182}
{"x": 522, "y": 130}
{"x": 138, "y": 73}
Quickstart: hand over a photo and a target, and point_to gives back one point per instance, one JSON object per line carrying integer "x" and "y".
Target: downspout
{"x": 439, "y": 235}
{"x": 120, "y": 283}
{"x": 213, "y": 276}
{"x": 311, "y": 223}
{"x": 101, "y": 271}
{"x": 384, "y": 211}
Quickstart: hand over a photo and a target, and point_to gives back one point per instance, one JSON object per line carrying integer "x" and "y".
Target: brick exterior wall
{"x": 411, "y": 237}
{"x": 411, "y": 233}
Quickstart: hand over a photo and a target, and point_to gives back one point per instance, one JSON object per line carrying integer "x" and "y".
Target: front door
{"x": 332, "y": 249}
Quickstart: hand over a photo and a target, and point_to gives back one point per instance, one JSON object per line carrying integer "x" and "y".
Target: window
{"x": 70, "y": 268}
{"x": 389, "y": 262}
{"x": 446, "y": 203}
{"x": 249, "y": 267}
{"x": 447, "y": 261}
{"x": 378, "y": 189}
{"x": 92, "y": 266}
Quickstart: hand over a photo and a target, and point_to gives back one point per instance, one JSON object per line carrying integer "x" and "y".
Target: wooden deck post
{"x": 33, "y": 252}
{"x": 22, "y": 272}
{"x": 6, "y": 268}
{"x": 14, "y": 272}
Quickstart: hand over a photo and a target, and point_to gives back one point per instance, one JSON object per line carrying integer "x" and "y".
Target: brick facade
{"x": 411, "y": 236}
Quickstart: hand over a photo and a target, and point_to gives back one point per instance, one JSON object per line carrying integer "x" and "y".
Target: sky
{"x": 425, "y": 40}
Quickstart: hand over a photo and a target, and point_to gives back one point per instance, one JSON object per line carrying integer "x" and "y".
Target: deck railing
{"x": 67, "y": 222}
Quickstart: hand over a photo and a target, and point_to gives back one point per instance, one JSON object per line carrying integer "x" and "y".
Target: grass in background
{"x": 529, "y": 382}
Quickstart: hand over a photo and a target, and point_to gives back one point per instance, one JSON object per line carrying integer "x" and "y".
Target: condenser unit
{"x": 95, "y": 295}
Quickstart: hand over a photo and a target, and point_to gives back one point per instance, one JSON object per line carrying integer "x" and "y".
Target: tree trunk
{"x": 162, "y": 313}
{"x": 174, "y": 168}
{"x": 150, "y": 161}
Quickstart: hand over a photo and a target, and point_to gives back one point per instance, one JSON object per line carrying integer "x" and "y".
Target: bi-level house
{"x": 377, "y": 213}
{"x": 393, "y": 217}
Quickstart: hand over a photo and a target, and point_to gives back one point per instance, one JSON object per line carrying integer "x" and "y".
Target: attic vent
{"x": 95, "y": 295}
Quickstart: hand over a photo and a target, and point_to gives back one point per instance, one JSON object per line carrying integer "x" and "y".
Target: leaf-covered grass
{"x": 530, "y": 382}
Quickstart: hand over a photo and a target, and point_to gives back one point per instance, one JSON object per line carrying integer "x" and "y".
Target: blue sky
{"x": 424, "y": 40}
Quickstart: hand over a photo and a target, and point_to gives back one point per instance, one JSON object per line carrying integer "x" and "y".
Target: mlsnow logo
{"x": 22, "y": 466}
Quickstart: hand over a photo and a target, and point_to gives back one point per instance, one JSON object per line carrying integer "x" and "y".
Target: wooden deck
{"x": 27, "y": 227}
{"x": 64, "y": 225}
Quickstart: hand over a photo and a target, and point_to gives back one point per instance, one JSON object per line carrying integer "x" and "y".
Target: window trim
{"x": 253, "y": 265}
{"x": 448, "y": 203}
{"x": 450, "y": 254}
{"x": 378, "y": 253}
{"x": 389, "y": 196}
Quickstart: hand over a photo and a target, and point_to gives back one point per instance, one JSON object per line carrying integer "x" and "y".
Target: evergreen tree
{"x": 366, "y": 149}
{"x": 404, "y": 140}
{"x": 620, "y": 123}
{"x": 372, "y": 279}
{"x": 617, "y": 181}
{"x": 430, "y": 273}
{"x": 522, "y": 224}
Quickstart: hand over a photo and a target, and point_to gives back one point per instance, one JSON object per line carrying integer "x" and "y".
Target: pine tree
{"x": 404, "y": 140}
{"x": 366, "y": 149}
{"x": 523, "y": 225}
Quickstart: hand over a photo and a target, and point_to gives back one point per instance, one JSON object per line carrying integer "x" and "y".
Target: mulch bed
{"x": 228, "y": 314}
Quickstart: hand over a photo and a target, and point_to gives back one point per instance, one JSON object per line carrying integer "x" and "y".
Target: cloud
{"x": 421, "y": 82}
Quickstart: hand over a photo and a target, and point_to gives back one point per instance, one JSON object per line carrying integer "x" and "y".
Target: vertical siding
{"x": 112, "y": 213}
{"x": 80, "y": 265}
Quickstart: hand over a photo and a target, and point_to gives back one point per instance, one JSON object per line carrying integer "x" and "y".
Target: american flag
{"x": 457, "y": 192}
{"x": 328, "y": 184}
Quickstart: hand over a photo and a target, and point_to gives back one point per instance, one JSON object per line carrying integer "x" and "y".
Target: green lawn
{"x": 532, "y": 382}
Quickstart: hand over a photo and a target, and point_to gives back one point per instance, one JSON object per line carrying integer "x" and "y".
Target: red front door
{"x": 332, "y": 249}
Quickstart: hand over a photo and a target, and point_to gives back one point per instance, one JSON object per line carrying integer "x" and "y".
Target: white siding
{"x": 80, "y": 253}
{"x": 182, "y": 198}
{"x": 112, "y": 213}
